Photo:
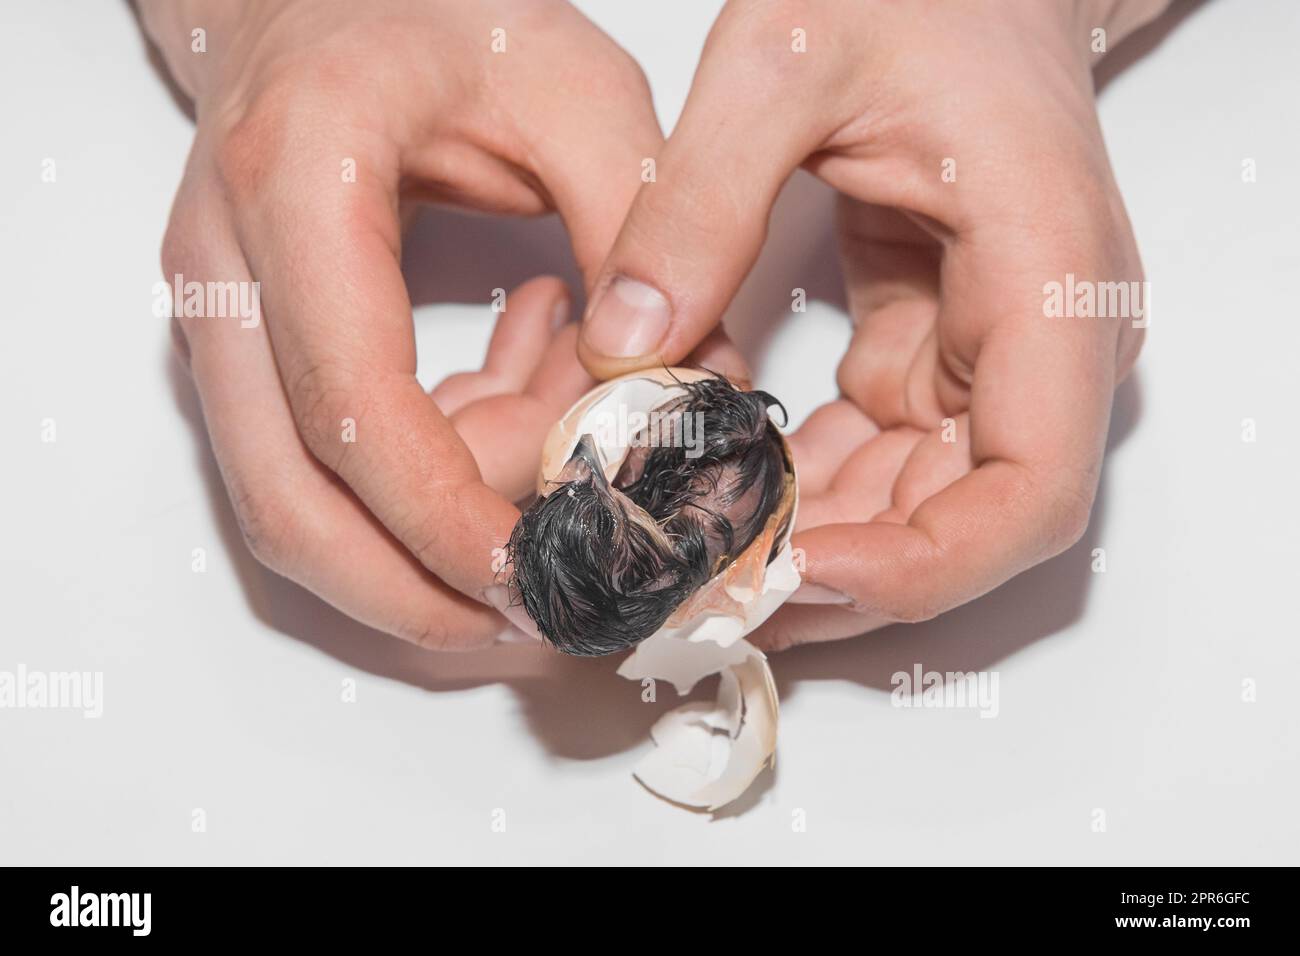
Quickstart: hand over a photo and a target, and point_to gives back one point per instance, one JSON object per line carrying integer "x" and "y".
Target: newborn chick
{"x": 600, "y": 566}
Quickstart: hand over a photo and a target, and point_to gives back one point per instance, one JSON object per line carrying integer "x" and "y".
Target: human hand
{"x": 529, "y": 378}
{"x": 317, "y": 123}
{"x": 967, "y": 442}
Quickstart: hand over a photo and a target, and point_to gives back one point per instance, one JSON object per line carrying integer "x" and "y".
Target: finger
{"x": 530, "y": 376}
{"x": 340, "y": 322}
{"x": 936, "y": 460}
{"x": 718, "y": 353}
{"x": 891, "y": 270}
{"x": 591, "y": 161}
{"x": 506, "y": 432}
{"x": 810, "y": 623}
{"x": 559, "y": 379}
{"x": 693, "y": 233}
{"x": 534, "y": 313}
{"x": 585, "y": 162}
{"x": 1039, "y": 411}
{"x": 297, "y": 518}
{"x": 825, "y": 440}
{"x": 863, "y": 488}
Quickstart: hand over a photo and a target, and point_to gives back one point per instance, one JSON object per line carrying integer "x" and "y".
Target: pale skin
{"x": 944, "y": 278}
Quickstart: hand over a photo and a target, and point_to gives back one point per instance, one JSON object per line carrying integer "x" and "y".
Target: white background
{"x": 1120, "y": 691}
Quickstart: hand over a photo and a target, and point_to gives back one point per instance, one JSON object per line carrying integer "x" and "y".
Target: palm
{"x": 898, "y": 433}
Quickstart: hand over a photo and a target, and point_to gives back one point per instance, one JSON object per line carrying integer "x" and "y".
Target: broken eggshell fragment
{"x": 705, "y": 755}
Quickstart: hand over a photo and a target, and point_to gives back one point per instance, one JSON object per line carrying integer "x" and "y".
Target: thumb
{"x": 690, "y": 237}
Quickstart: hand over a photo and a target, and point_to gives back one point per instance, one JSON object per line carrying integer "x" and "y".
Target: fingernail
{"x": 628, "y": 320}
{"x": 560, "y": 314}
{"x": 809, "y": 593}
{"x": 498, "y": 595}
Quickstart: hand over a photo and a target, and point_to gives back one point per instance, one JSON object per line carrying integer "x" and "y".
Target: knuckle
{"x": 913, "y": 609}
{"x": 321, "y": 398}
{"x": 865, "y": 380}
{"x": 260, "y": 137}
{"x": 1131, "y": 341}
{"x": 697, "y": 213}
{"x": 419, "y": 528}
{"x": 777, "y": 641}
{"x": 179, "y": 257}
{"x": 269, "y": 524}
{"x": 774, "y": 635}
{"x": 1056, "y": 503}
{"x": 449, "y": 633}
{"x": 186, "y": 242}
{"x": 763, "y": 33}
{"x": 1132, "y": 334}
{"x": 243, "y": 156}
{"x": 909, "y": 598}
{"x": 425, "y": 633}
{"x": 1073, "y": 523}
{"x": 177, "y": 247}
{"x": 626, "y": 73}
{"x": 1069, "y": 511}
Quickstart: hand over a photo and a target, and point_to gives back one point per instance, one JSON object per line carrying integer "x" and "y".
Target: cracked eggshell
{"x": 637, "y": 392}
{"x": 705, "y": 755}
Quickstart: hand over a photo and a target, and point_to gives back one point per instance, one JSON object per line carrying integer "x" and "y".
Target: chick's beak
{"x": 584, "y": 463}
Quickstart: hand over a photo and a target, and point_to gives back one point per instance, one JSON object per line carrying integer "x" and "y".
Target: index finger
{"x": 339, "y": 317}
